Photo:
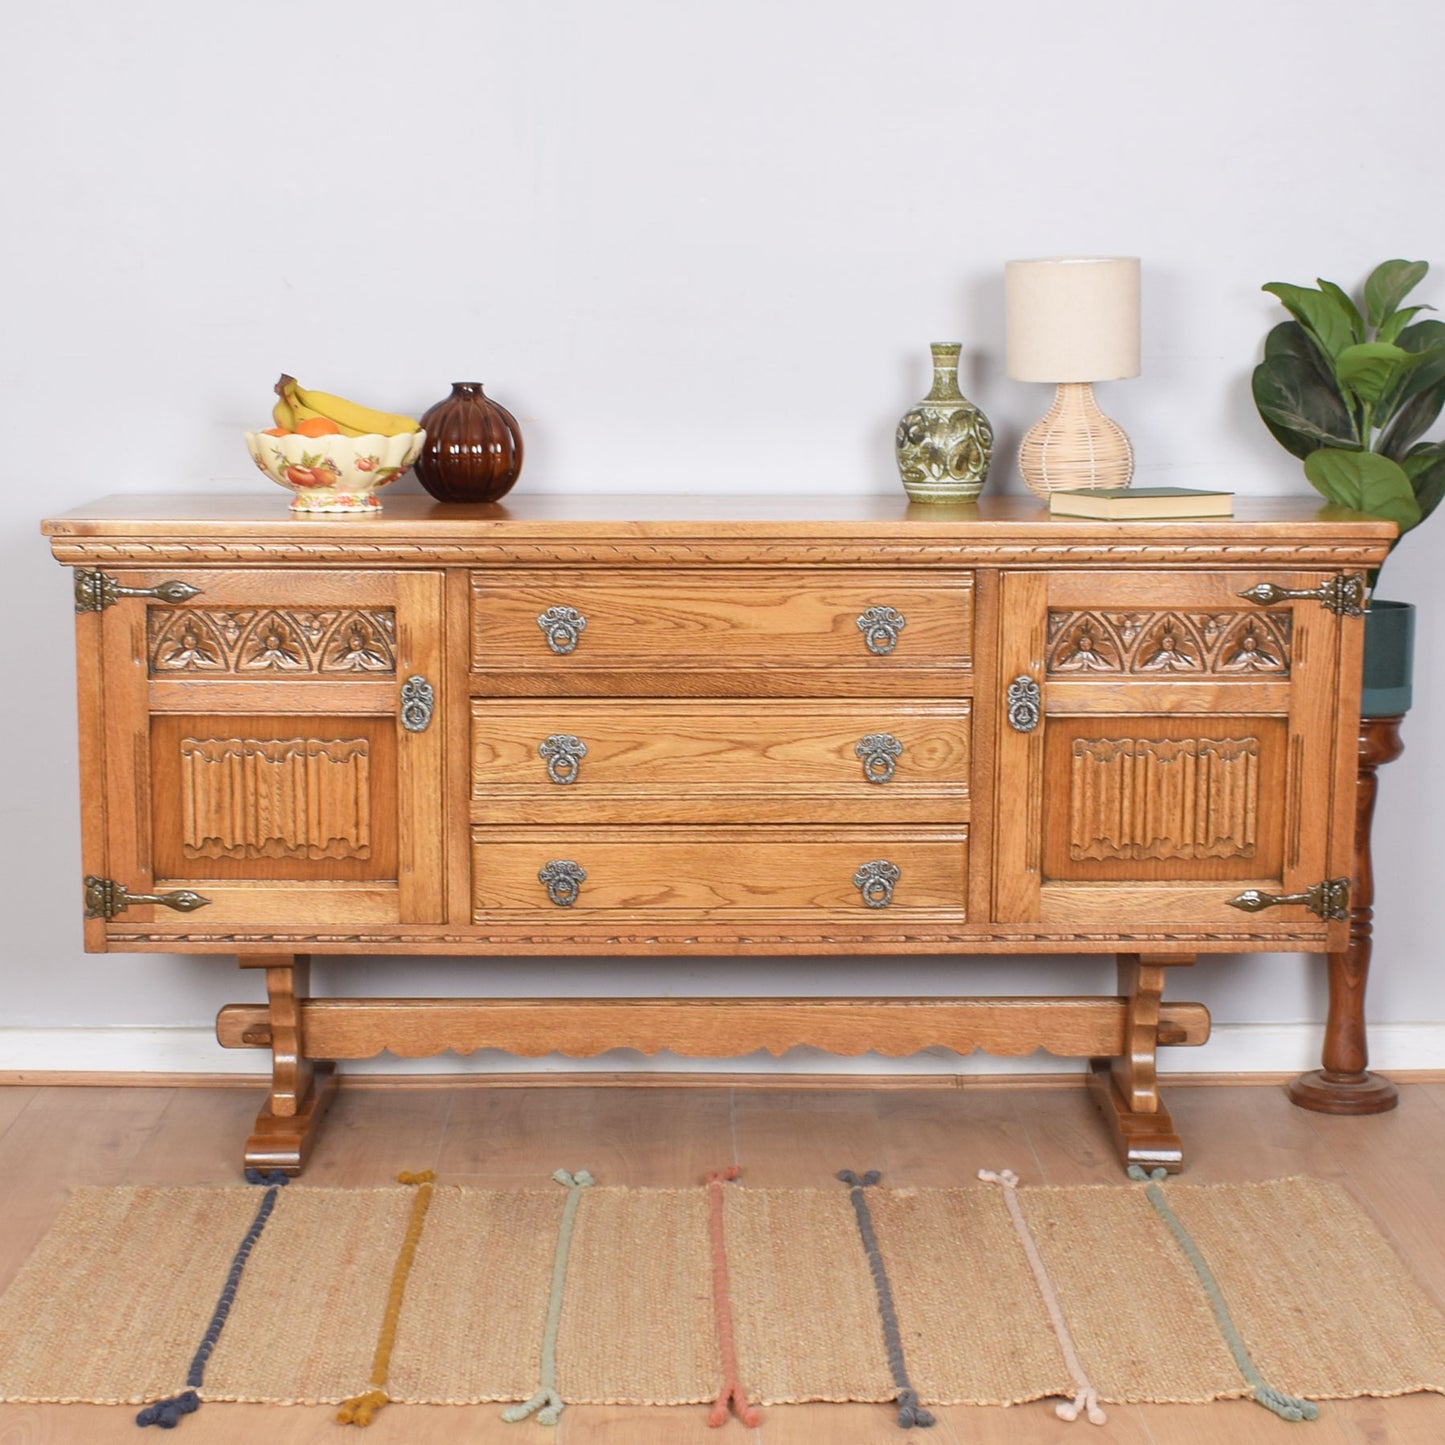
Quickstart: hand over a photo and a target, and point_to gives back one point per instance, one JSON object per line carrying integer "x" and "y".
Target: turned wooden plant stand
{"x": 1343, "y": 1084}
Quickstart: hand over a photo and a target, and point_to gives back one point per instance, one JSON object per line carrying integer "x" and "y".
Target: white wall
{"x": 694, "y": 248}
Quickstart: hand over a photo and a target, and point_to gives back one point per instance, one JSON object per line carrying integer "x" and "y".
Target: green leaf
{"x": 1346, "y": 308}
{"x": 1425, "y": 466}
{"x": 1301, "y": 405}
{"x": 1364, "y": 482}
{"x": 1427, "y": 339}
{"x": 1388, "y": 285}
{"x": 1393, "y": 325}
{"x": 1320, "y": 314}
{"x": 1411, "y": 422}
{"x": 1367, "y": 371}
{"x": 1289, "y": 338}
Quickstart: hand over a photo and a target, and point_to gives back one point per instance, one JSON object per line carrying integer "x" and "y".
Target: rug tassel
{"x": 362, "y": 1409}
{"x": 167, "y": 1413}
{"x": 1086, "y": 1401}
{"x": 731, "y": 1394}
{"x": 911, "y": 1413}
{"x": 1287, "y": 1407}
{"x": 547, "y": 1403}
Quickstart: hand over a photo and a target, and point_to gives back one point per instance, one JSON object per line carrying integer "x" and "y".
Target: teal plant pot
{"x": 1389, "y": 658}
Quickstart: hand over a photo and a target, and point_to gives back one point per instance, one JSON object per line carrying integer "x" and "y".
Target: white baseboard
{"x": 1232, "y": 1049}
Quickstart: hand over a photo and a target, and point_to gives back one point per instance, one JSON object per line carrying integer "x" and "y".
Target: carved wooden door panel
{"x": 281, "y": 735}
{"x": 1165, "y": 746}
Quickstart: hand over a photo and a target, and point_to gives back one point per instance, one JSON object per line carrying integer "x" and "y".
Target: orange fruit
{"x": 276, "y": 431}
{"x": 317, "y": 426}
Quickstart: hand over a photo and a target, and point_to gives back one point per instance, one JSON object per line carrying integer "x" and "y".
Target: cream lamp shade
{"x": 1073, "y": 321}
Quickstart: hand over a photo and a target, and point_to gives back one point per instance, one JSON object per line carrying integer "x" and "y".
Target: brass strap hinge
{"x": 1343, "y": 595}
{"x": 104, "y": 898}
{"x": 94, "y": 591}
{"x": 1330, "y": 899}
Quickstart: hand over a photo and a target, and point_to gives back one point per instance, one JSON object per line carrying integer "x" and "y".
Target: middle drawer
{"x": 719, "y": 760}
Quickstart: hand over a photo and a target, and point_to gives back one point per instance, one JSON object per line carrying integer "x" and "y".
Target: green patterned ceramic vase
{"x": 945, "y": 443}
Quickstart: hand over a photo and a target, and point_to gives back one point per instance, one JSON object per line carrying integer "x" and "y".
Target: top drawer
{"x": 678, "y": 632}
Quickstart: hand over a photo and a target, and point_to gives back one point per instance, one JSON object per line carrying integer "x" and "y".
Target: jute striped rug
{"x": 723, "y": 1296}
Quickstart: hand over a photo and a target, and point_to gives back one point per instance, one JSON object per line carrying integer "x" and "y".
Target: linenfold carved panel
{"x": 1163, "y": 798}
{"x": 275, "y": 798}
{"x": 1191, "y": 644}
{"x": 271, "y": 642}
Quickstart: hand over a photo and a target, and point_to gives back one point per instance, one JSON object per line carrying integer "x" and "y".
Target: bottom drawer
{"x": 675, "y": 873}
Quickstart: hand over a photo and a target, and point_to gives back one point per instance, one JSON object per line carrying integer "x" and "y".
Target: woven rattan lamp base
{"x": 1074, "y": 446}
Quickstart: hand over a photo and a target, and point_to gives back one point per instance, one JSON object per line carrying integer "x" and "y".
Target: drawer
{"x": 678, "y": 632}
{"x": 659, "y": 874}
{"x": 668, "y": 761}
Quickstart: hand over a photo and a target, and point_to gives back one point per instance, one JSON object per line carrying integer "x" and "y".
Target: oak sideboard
{"x": 608, "y": 725}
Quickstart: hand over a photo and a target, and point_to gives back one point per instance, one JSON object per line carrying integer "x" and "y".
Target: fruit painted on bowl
{"x": 334, "y": 473}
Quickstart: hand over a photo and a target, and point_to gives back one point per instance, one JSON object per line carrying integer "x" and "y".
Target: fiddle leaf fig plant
{"x": 1352, "y": 392}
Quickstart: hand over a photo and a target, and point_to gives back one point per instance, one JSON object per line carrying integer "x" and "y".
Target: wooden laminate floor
{"x": 54, "y": 1137}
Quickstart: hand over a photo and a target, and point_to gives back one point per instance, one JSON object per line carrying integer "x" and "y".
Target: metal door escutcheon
{"x": 1329, "y": 900}
{"x": 563, "y": 753}
{"x": 104, "y": 898}
{"x": 563, "y": 879}
{"x": 875, "y": 882}
{"x": 880, "y": 627}
{"x": 1024, "y": 700}
{"x": 1344, "y": 595}
{"x": 417, "y": 702}
{"x": 879, "y": 752}
{"x": 94, "y": 591}
{"x": 563, "y": 626}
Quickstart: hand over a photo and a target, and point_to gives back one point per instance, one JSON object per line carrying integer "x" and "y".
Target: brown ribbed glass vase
{"x": 473, "y": 447}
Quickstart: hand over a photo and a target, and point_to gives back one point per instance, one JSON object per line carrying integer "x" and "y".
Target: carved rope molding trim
{"x": 956, "y": 943}
{"x": 1293, "y": 555}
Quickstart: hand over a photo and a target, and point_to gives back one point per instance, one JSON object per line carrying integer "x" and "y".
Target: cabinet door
{"x": 274, "y": 743}
{"x": 1164, "y": 745}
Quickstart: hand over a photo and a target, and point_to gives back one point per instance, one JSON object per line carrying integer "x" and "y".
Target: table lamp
{"x": 1073, "y": 321}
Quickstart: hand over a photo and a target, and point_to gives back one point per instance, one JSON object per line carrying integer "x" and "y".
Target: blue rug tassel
{"x": 167, "y": 1413}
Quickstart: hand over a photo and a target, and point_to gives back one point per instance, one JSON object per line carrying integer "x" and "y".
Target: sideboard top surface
{"x": 539, "y": 516}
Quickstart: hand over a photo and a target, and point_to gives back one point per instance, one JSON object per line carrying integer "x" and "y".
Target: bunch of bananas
{"x": 315, "y": 413}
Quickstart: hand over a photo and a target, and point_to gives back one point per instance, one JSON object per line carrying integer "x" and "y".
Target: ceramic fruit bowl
{"x": 334, "y": 473}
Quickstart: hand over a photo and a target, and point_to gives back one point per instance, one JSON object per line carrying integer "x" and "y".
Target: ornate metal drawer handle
{"x": 104, "y": 898}
{"x": 1329, "y": 900}
{"x": 564, "y": 880}
{"x": 564, "y": 753}
{"x": 875, "y": 882}
{"x": 563, "y": 626}
{"x": 1344, "y": 595}
{"x": 94, "y": 591}
{"x": 879, "y": 751}
{"x": 1023, "y": 704}
{"x": 880, "y": 627}
{"x": 417, "y": 702}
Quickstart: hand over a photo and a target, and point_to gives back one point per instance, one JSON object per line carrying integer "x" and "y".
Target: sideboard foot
{"x": 1328, "y": 1092}
{"x": 1126, "y": 1088}
{"x": 1145, "y": 1139}
{"x": 284, "y": 1141}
